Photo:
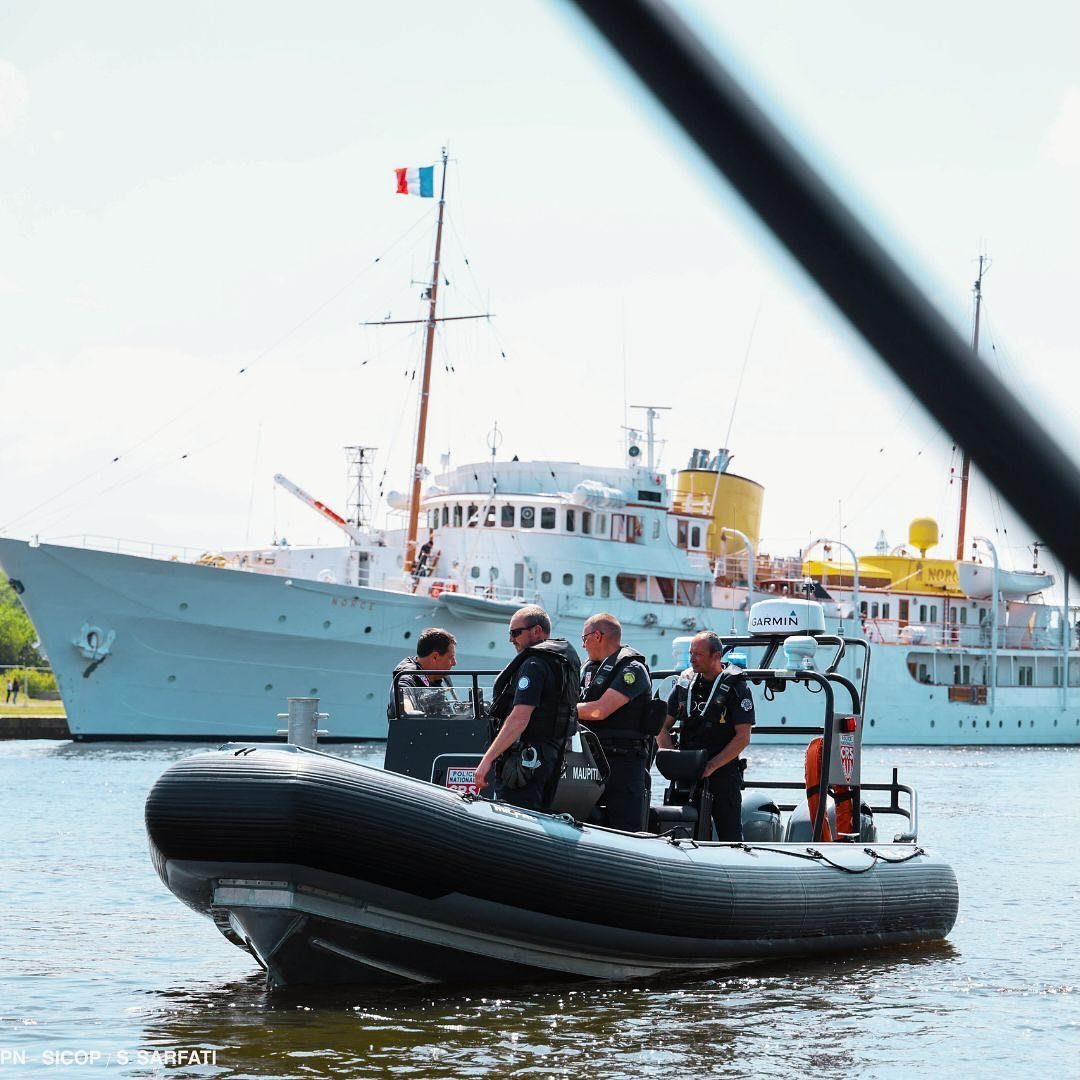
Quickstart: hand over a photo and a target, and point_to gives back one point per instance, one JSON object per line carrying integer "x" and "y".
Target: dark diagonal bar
{"x": 1009, "y": 445}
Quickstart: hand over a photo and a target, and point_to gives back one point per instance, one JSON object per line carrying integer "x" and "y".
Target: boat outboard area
{"x": 333, "y": 872}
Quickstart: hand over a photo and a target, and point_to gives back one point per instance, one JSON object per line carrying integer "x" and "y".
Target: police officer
{"x": 715, "y": 713}
{"x": 534, "y": 702}
{"x": 616, "y": 692}
{"x": 436, "y": 653}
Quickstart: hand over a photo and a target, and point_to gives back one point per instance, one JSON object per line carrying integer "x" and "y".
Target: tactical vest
{"x": 632, "y": 720}
{"x": 712, "y": 731}
{"x": 553, "y": 718}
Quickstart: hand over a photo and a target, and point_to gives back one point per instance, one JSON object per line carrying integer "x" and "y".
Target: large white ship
{"x": 158, "y": 647}
{"x": 148, "y": 647}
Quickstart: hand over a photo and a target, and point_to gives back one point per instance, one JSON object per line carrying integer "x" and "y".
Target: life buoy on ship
{"x": 436, "y": 588}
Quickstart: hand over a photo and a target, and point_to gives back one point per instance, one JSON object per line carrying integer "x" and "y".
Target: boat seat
{"x": 681, "y": 766}
{"x": 679, "y": 816}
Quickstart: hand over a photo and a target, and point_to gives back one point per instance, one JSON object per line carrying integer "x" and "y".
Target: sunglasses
{"x": 585, "y": 637}
{"x": 521, "y": 630}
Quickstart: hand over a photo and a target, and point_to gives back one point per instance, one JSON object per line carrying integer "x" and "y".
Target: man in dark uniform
{"x": 533, "y": 701}
{"x": 715, "y": 713}
{"x": 615, "y": 696}
{"x": 436, "y": 653}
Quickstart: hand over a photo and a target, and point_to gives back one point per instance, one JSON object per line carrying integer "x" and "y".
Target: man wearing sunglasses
{"x": 534, "y": 704}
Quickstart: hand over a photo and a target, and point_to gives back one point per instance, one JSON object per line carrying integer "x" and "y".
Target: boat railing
{"x": 910, "y": 812}
{"x": 961, "y": 635}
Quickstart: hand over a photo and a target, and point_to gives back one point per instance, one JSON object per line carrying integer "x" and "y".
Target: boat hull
{"x": 329, "y": 871}
{"x": 200, "y": 653}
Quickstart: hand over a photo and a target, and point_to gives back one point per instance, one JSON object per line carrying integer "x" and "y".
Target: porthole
{"x": 931, "y": 723}
{"x": 281, "y": 618}
{"x": 370, "y": 695}
{"x": 183, "y": 606}
{"x": 313, "y": 692}
{"x": 268, "y": 687}
{"x": 172, "y": 678}
{"x": 326, "y": 624}
{"x": 491, "y": 644}
{"x": 872, "y": 721}
{"x": 408, "y": 634}
{"x": 545, "y": 577}
{"x": 367, "y": 629}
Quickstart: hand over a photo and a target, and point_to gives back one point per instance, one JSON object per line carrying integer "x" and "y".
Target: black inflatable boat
{"x": 329, "y": 871}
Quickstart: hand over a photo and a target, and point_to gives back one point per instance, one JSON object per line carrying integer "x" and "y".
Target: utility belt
{"x": 627, "y": 747}
{"x": 516, "y": 766}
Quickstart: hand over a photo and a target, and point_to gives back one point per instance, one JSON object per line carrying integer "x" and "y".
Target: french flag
{"x": 416, "y": 181}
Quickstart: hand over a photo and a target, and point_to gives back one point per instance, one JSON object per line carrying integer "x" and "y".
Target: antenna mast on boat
{"x": 965, "y": 463}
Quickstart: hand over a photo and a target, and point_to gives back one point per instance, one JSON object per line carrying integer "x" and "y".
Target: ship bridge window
{"x": 507, "y": 520}
{"x": 474, "y": 572}
{"x": 695, "y": 536}
{"x": 665, "y": 587}
{"x": 963, "y": 616}
{"x": 601, "y": 525}
{"x": 690, "y": 594}
{"x": 649, "y": 496}
{"x": 618, "y": 527}
{"x": 547, "y": 517}
{"x": 569, "y": 520}
{"x": 590, "y": 584}
{"x": 874, "y": 610}
{"x": 472, "y": 516}
{"x": 545, "y": 577}
{"x": 528, "y": 516}
{"x": 656, "y": 529}
{"x": 489, "y": 516}
{"x": 1026, "y": 675}
{"x": 605, "y": 586}
{"x": 568, "y": 579}
{"x": 457, "y": 515}
{"x": 632, "y": 586}
{"x": 961, "y": 674}
{"x": 586, "y": 522}
{"x": 682, "y": 530}
{"x": 933, "y": 612}
{"x": 446, "y": 515}
{"x": 884, "y": 611}
{"x": 922, "y": 613}
{"x": 864, "y": 608}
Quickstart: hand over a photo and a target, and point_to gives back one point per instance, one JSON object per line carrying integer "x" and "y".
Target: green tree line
{"x": 17, "y": 634}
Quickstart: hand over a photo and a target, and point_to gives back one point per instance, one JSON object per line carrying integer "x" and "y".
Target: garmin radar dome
{"x": 787, "y": 616}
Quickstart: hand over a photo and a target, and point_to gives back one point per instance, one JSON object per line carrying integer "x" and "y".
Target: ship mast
{"x": 965, "y": 464}
{"x": 431, "y": 295}
{"x": 425, "y": 386}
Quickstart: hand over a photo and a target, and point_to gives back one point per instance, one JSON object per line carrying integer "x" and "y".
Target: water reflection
{"x": 644, "y": 1028}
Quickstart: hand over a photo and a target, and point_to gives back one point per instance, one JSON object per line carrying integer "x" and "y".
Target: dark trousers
{"x": 539, "y": 792}
{"x": 725, "y": 786}
{"x": 625, "y": 802}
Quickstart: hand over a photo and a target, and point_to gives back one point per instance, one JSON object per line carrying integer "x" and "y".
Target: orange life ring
{"x": 436, "y": 589}
{"x": 813, "y": 785}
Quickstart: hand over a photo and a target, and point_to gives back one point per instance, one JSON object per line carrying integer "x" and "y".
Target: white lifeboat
{"x": 977, "y": 581}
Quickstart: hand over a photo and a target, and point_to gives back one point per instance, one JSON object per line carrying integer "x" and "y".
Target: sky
{"x": 196, "y": 217}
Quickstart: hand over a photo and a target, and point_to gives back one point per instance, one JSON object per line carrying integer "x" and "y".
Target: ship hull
{"x": 150, "y": 649}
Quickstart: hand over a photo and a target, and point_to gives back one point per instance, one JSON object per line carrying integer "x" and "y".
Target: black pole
{"x": 1010, "y": 447}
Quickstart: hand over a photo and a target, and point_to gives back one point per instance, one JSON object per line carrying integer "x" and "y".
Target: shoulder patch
{"x": 629, "y": 678}
{"x": 523, "y": 682}
{"x": 747, "y": 704}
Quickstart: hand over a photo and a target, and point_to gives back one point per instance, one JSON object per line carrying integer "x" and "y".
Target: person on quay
{"x": 436, "y": 653}
{"x": 715, "y": 714}
{"x": 616, "y": 693}
{"x": 534, "y": 708}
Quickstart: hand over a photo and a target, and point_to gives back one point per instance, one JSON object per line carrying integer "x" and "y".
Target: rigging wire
{"x": 201, "y": 402}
